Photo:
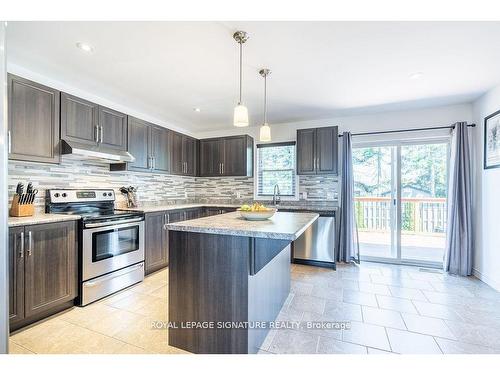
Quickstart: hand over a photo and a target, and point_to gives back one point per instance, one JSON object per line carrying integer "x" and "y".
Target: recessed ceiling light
{"x": 417, "y": 75}
{"x": 197, "y": 109}
{"x": 85, "y": 47}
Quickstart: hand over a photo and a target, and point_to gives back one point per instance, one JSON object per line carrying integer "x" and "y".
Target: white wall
{"x": 487, "y": 198}
{"x": 436, "y": 116}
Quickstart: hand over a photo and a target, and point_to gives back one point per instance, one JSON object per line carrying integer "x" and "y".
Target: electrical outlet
{"x": 304, "y": 195}
{"x": 238, "y": 194}
{"x": 185, "y": 194}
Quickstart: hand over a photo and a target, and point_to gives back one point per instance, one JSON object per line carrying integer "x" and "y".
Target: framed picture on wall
{"x": 492, "y": 141}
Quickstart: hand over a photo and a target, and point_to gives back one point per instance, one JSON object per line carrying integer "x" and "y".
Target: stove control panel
{"x": 80, "y": 195}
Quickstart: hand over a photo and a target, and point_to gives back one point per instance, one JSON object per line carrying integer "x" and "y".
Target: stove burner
{"x": 91, "y": 205}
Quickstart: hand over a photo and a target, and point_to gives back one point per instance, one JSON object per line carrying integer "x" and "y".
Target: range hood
{"x": 83, "y": 151}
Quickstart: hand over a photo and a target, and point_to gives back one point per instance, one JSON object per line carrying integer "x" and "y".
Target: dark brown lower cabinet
{"x": 16, "y": 274}
{"x": 43, "y": 271}
{"x": 156, "y": 242}
{"x": 211, "y": 211}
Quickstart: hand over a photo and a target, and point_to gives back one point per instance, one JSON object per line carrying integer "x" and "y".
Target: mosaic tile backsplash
{"x": 155, "y": 187}
{"x": 74, "y": 174}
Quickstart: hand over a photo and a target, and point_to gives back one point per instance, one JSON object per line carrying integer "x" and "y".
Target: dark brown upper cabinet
{"x": 149, "y": 145}
{"x": 160, "y": 140}
{"x": 33, "y": 133}
{"x": 184, "y": 155}
{"x": 211, "y": 157}
{"x": 79, "y": 120}
{"x": 139, "y": 145}
{"x": 228, "y": 156}
{"x": 113, "y": 128}
{"x": 317, "y": 151}
{"x": 89, "y": 123}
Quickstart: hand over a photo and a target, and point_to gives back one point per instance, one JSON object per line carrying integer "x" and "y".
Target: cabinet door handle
{"x": 148, "y": 162}
{"x": 21, "y": 252}
{"x": 30, "y": 244}
{"x": 96, "y": 133}
{"x": 222, "y": 168}
{"x": 102, "y": 133}
{"x": 9, "y": 142}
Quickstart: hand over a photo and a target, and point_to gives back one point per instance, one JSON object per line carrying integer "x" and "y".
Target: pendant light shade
{"x": 240, "y": 116}
{"x": 265, "y": 129}
{"x": 240, "y": 111}
{"x": 265, "y": 133}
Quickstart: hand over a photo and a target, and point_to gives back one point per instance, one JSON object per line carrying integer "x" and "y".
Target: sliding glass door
{"x": 424, "y": 170}
{"x": 400, "y": 201}
{"x": 375, "y": 196}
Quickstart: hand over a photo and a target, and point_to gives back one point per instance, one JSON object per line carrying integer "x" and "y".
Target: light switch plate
{"x": 304, "y": 195}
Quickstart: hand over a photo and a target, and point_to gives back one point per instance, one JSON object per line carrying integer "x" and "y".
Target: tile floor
{"x": 389, "y": 309}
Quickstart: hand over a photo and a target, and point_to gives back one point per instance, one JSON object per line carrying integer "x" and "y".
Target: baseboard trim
{"x": 494, "y": 284}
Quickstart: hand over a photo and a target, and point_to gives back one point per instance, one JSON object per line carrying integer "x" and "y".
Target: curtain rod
{"x": 410, "y": 130}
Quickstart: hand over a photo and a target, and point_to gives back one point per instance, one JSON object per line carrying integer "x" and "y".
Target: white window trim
{"x": 268, "y": 198}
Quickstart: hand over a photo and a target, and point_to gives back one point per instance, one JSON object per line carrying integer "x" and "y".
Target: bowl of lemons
{"x": 256, "y": 212}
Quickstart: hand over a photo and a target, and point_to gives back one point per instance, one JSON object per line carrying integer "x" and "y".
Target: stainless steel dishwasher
{"x": 316, "y": 246}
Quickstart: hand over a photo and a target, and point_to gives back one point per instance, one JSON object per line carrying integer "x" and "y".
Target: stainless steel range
{"x": 111, "y": 242}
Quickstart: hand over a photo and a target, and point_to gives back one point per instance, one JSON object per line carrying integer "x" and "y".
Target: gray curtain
{"x": 458, "y": 252}
{"x": 347, "y": 249}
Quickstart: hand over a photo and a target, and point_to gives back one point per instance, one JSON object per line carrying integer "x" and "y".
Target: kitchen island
{"x": 228, "y": 279}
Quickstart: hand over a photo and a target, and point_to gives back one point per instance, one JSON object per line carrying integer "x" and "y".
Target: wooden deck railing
{"x": 419, "y": 215}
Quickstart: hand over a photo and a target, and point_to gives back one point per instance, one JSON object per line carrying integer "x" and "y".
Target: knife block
{"x": 20, "y": 210}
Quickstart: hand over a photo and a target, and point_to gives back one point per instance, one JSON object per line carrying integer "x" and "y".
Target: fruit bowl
{"x": 257, "y": 215}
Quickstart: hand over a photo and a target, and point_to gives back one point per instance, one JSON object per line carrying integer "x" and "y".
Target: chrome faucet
{"x": 276, "y": 195}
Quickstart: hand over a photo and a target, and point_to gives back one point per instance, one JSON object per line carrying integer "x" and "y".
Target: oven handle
{"x": 112, "y": 223}
{"x": 114, "y": 275}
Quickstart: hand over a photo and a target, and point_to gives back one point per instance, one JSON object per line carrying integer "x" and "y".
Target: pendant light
{"x": 240, "y": 111}
{"x": 265, "y": 130}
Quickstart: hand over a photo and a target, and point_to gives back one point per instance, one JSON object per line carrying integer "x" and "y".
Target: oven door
{"x": 107, "y": 248}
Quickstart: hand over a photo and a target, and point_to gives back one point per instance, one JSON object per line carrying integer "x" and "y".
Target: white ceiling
{"x": 319, "y": 69}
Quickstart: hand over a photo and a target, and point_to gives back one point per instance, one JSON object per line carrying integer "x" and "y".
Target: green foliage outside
{"x": 277, "y": 166}
{"x": 423, "y": 175}
{"x": 423, "y": 170}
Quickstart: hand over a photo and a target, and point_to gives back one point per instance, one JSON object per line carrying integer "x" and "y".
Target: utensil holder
{"x": 20, "y": 210}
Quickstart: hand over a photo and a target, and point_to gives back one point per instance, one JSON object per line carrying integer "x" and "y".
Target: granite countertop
{"x": 40, "y": 219}
{"x": 171, "y": 207}
{"x": 162, "y": 206}
{"x": 283, "y": 225}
